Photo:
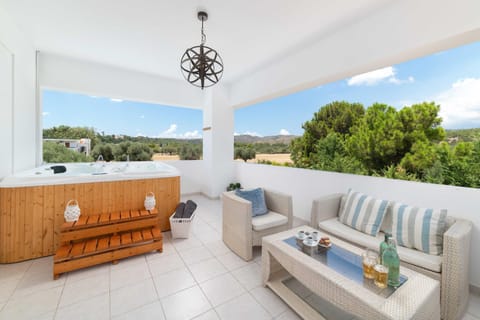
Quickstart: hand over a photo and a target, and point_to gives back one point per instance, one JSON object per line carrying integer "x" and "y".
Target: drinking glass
{"x": 369, "y": 260}
{"x": 381, "y": 275}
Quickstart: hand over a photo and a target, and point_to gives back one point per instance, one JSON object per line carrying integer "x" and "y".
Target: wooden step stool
{"x": 106, "y": 237}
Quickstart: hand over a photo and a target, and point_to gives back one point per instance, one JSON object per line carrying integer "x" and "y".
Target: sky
{"x": 449, "y": 78}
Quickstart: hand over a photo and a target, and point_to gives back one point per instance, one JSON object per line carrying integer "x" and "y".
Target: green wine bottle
{"x": 384, "y": 245}
{"x": 392, "y": 261}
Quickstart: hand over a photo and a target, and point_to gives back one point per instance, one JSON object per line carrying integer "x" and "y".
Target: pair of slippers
{"x": 185, "y": 210}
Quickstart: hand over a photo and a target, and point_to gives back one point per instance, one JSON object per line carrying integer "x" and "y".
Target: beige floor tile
{"x": 94, "y": 308}
{"x": 468, "y": 316}
{"x": 14, "y": 271}
{"x": 474, "y": 305}
{"x": 185, "y": 304}
{"x": 129, "y": 262}
{"x": 207, "y": 269}
{"x": 241, "y": 308}
{"x": 250, "y": 276}
{"x": 231, "y": 261}
{"x": 128, "y": 276}
{"x": 7, "y": 288}
{"x": 173, "y": 281}
{"x": 44, "y": 264}
{"x": 84, "y": 289}
{"x": 131, "y": 297}
{"x": 165, "y": 264}
{"x": 288, "y": 315}
{"x": 186, "y": 244}
{"x": 47, "y": 316}
{"x": 209, "y": 315}
{"x": 77, "y": 275}
{"x": 31, "y": 306}
{"x": 195, "y": 255}
{"x": 269, "y": 300}
{"x": 217, "y": 248}
{"x": 152, "y": 311}
{"x": 221, "y": 289}
{"x": 34, "y": 281}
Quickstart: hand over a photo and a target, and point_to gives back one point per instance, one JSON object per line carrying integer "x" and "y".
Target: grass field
{"x": 164, "y": 157}
{"x": 275, "y": 157}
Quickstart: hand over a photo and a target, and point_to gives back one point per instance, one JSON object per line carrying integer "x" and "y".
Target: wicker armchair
{"x": 453, "y": 276}
{"x": 241, "y": 232}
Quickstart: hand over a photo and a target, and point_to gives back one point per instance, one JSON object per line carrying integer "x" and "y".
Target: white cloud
{"x": 45, "y": 114}
{"x": 252, "y": 133}
{"x": 171, "y": 132}
{"x": 460, "y": 104}
{"x": 284, "y": 132}
{"x": 191, "y": 135}
{"x": 139, "y": 134}
{"x": 387, "y": 74}
{"x": 116, "y": 100}
{"x": 142, "y": 116}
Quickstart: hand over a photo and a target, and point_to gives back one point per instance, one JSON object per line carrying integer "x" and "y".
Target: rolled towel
{"x": 179, "y": 210}
{"x": 58, "y": 169}
{"x": 190, "y": 207}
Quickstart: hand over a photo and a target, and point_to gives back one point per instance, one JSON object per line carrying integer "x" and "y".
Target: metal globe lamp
{"x": 202, "y": 66}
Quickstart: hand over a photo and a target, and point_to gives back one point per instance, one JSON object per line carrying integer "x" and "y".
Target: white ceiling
{"x": 151, "y": 35}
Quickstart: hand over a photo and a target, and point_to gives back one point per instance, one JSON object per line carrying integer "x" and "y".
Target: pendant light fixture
{"x": 202, "y": 66}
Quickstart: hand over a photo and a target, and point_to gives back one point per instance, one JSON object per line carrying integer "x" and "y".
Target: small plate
{"x": 324, "y": 246}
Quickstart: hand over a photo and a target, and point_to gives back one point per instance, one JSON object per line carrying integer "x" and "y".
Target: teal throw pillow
{"x": 257, "y": 198}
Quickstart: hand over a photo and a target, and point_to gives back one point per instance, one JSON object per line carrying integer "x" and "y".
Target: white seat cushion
{"x": 268, "y": 220}
{"x": 412, "y": 256}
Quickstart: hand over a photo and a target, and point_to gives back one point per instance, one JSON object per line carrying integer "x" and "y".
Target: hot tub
{"x": 83, "y": 172}
{"x": 32, "y": 203}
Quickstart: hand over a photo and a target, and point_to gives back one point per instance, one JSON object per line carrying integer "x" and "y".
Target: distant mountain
{"x": 245, "y": 138}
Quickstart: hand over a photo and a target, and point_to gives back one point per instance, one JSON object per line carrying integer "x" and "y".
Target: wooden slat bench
{"x": 106, "y": 237}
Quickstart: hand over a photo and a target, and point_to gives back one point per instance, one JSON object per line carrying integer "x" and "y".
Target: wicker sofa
{"x": 241, "y": 231}
{"x": 451, "y": 268}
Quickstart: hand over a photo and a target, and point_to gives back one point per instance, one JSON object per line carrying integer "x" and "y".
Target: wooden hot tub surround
{"x": 31, "y": 217}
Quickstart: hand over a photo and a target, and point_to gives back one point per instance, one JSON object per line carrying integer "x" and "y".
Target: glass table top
{"x": 347, "y": 264}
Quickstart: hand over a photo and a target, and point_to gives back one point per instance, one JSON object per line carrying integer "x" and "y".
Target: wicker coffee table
{"x": 285, "y": 268}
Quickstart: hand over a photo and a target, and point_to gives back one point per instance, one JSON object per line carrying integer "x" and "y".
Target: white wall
{"x": 401, "y": 31}
{"x": 192, "y": 178}
{"x": 17, "y": 109}
{"x": 68, "y": 74}
{"x": 305, "y": 185}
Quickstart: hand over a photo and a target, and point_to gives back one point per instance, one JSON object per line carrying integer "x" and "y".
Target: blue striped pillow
{"x": 419, "y": 228}
{"x": 363, "y": 213}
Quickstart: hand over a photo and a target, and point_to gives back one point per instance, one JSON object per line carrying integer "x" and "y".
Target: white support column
{"x": 218, "y": 126}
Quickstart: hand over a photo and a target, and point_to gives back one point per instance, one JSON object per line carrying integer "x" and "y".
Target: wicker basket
{"x": 180, "y": 227}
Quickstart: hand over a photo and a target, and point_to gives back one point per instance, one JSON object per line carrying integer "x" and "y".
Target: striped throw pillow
{"x": 419, "y": 228}
{"x": 363, "y": 213}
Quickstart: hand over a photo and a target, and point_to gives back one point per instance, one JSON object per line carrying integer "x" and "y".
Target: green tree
{"x": 105, "y": 150}
{"x": 190, "y": 152}
{"x": 331, "y": 155}
{"x": 245, "y": 153}
{"x": 66, "y": 132}
{"x": 57, "y": 153}
{"x": 336, "y": 117}
{"x": 134, "y": 151}
{"x": 421, "y": 123}
{"x": 377, "y": 139}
